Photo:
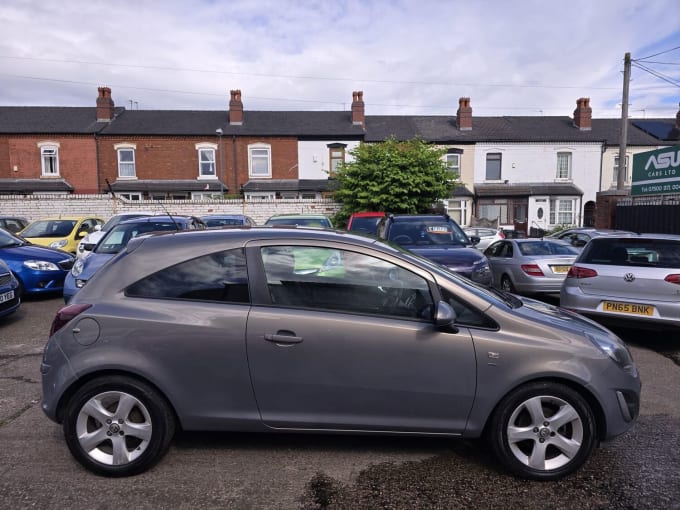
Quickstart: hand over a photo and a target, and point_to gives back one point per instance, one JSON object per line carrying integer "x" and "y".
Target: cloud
{"x": 409, "y": 57}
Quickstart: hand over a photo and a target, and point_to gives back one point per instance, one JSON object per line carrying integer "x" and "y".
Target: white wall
{"x": 313, "y": 157}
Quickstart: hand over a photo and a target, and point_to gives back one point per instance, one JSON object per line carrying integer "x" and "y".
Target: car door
{"x": 337, "y": 349}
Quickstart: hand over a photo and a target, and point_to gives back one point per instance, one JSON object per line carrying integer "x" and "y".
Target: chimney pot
{"x": 235, "y": 108}
{"x": 464, "y": 114}
{"x": 358, "y": 109}
{"x": 583, "y": 114}
{"x": 105, "y": 106}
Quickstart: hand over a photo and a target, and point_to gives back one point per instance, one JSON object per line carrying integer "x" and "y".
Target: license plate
{"x": 560, "y": 269}
{"x": 633, "y": 308}
{"x": 6, "y": 296}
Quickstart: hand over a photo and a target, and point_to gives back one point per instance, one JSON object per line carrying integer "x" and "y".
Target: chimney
{"x": 235, "y": 108}
{"x": 358, "y": 113}
{"x": 105, "y": 106}
{"x": 583, "y": 114}
{"x": 464, "y": 114}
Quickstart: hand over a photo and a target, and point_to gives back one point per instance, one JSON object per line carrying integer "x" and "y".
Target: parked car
{"x": 13, "y": 224}
{"x": 116, "y": 239}
{"x": 38, "y": 269}
{"x": 486, "y": 235}
{"x": 579, "y": 237}
{"x": 63, "y": 233}
{"x": 219, "y": 330}
{"x": 301, "y": 220}
{"x": 87, "y": 243}
{"x": 227, "y": 220}
{"x": 530, "y": 266}
{"x": 365, "y": 222}
{"x": 10, "y": 301}
{"x": 627, "y": 280}
{"x": 438, "y": 238}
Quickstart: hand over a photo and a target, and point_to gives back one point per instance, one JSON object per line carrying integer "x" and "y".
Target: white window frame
{"x": 208, "y": 149}
{"x": 205, "y": 195}
{"x": 562, "y": 211}
{"x": 261, "y": 195}
{"x": 615, "y": 170}
{"x": 486, "y": 166}
{"x": 259, "y": 147}
{"x": 453, "y": 163}
{"x": 131, "y": 196}
{"x": 49, "y": 151}
{"x": 458, "y": 210}
{"x": 120, "y": 147}
{"x": 559, "y": 171}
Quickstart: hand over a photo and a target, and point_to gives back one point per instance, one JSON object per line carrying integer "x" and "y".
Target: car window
{"x": 50, "y": 228}
{"x": 544, "y": 248}
{"x": 638, "y": 252}
{"x": 218, "y": 276}
{"x": 117, "y": 238}
{"x": 466, "y": 315}
{"x": 426, "y": 233}
{"x": 340, "y": 280}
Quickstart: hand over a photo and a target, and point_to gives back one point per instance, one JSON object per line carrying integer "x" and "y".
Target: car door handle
{"x": 283, "y": 337}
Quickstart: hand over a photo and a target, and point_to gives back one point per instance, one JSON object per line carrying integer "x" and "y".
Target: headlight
{"x": 77, "y": 267}
{"x": 616, "y": 350}
{"x": 41, "y": 265}
{"x": 59, "y": 244}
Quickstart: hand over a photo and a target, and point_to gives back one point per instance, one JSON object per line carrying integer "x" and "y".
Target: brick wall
{"x": 34, "y": 207}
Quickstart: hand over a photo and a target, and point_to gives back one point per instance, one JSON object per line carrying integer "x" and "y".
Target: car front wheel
{"x": 118, "y": 426}
{"x": 543, "y": 431}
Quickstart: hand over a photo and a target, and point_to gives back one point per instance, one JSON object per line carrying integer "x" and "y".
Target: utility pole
{"x": 623, "y": 168}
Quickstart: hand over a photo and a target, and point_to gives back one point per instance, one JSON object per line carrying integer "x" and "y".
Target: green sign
{"x": 656, "y": 172}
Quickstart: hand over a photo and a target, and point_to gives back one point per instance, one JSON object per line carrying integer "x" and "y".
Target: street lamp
{"x": 219, "y": 148}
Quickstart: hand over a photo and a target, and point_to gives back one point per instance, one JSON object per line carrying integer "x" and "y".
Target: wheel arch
{"x": 78, "y": 383}
{"x": 583, "y": 391}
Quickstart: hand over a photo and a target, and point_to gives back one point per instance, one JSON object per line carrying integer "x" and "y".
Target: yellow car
{"x": 63, "y": 232}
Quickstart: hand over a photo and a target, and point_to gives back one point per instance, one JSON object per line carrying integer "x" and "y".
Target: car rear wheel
{"x": 506, "y": 284}
{"x": 118, "y": 426}
{"x": 543, "y": 431}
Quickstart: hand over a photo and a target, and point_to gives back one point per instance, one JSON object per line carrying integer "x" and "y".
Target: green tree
{"x": 407, "y": 177}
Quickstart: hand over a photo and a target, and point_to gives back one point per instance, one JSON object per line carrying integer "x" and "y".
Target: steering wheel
{"x": 402, "y": 239}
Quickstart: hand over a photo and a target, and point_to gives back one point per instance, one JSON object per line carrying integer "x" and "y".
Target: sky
{"x": 409, "y": 57}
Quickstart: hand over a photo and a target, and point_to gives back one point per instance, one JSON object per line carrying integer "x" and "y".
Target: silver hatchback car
{"x": 627, "y": 280}
{"x": 279, "y": 330}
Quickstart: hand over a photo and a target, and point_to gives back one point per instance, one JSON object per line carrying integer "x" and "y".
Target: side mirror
{"x": 445, "y": 317}
{"x": 81, "y": 234}
{"x": 474, "y": 240}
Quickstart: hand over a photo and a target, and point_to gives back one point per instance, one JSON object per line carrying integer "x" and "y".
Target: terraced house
{"x": 534, "y": 171}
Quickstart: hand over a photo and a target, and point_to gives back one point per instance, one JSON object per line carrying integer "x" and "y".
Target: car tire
{"x": 542, "y": 431}
{"x": 118, "y": 426}
{"x": 506, "y": 284}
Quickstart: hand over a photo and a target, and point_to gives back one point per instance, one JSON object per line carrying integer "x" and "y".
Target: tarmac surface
{"x": 639, "y": 470}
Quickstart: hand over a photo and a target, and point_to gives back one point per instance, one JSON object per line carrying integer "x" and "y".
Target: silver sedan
{"x": 530, "y": 266}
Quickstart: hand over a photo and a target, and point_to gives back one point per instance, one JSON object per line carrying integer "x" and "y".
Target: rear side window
{"x": 219, "y": 277}
{"x": 635, "y": 252}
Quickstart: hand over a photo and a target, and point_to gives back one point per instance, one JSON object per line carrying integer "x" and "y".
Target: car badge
{"x": 628, "y": 277}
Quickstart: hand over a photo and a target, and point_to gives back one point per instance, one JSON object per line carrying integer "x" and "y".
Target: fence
{"x": 660, "y": 215}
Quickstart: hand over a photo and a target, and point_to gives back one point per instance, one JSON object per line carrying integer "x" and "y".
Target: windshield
{"x": 50, "y": 228}
{"x": 533, "y": 248}
{"x": 427, "y": 233}
{"x": 303, "y": 222}
{"x": 221, "y": 222}
{"x": 115, "y": 220}
{"x": 7, "y": 239}
{"x": 366, "y": 224}
{"x": 117, "y": 238}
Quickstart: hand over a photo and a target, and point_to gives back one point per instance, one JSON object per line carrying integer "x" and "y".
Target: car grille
{"x": 67, "y": 264}
{"x": 5, "y": 278}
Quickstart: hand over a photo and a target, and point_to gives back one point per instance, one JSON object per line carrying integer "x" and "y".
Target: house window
{"x": 206, "y": 160}
{"x": 126, "y": 161}
{"x": 562, "y": 212}
{"x": 457, "y": 209}
{"x": 615, "y": 173}
{"x": 453, "y": 165}
{"x": 336, "y": 157}
{"x": 563, "y": 165}
{"x": 205, "y": 195}
{"x": 493, "y": 166}
{"x": 259, "y": 160}
{"x": 50, "y": 160}
{"x": 260, "y": 196}
{"x": 133, "y": 197}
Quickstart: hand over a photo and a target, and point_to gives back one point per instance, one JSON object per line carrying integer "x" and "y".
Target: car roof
{"x": 299, "y": 216}
{"x": 76, "y": 218}
{"x": 149, "y": 219}
{"x": 407, "y": 217}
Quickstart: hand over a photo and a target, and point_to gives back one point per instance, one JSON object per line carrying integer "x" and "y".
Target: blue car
{"x": 38, "y": 269}
{"x": 9, "y": 297}
{"x": 116, "y": 239}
